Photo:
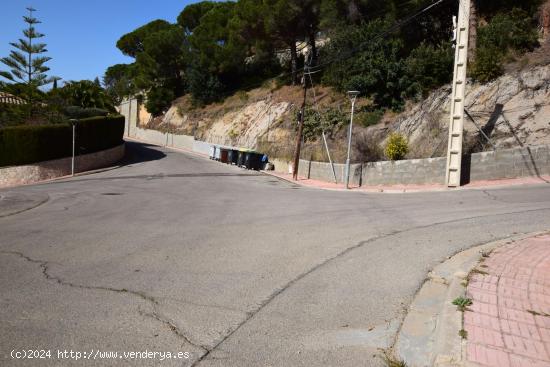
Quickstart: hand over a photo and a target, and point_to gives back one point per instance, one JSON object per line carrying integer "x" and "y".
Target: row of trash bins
{"x": 245, "y": 158}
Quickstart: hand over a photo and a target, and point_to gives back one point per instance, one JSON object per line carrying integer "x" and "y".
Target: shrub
{"x": 367, "y": 147}
{"x": 488, "y": 65}
{"x": 76, "y": 112}
{"x": 377, "y": 70}
{"x": 28, "y": 144}
{"x": 369, "y": 118}
{"x": 397, "y": 147}
{"x": 85, "y": 94}
{"x": 328, "y": 120}
{"x": 159, "y": 99}
{"x": 13, "y": 114}
{"x": 429, "y": 67}
{"x": 502, "y": 36}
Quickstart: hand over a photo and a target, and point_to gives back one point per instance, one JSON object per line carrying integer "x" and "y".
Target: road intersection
{"x": 173, "y": 252}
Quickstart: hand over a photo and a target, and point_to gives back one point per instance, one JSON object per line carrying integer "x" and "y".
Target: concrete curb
{"x": 478, "y": 185}
{"x": 429, "y": 335}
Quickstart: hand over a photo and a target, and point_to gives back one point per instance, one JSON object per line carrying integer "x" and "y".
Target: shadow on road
{"x": 140, "y": 152}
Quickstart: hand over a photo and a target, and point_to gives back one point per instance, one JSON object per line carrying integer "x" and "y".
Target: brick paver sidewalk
{"x": 409, "y": 188}
{"x": 508, "y": 323}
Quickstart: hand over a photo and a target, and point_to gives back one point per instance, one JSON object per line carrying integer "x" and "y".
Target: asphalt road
{"x": 175, "y": 253}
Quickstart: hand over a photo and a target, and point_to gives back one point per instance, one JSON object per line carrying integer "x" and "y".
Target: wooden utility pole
{"x": 456, "y": 125}
{"x": 300, "y": 131}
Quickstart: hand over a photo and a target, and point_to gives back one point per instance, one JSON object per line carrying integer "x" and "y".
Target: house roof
{"x": 10, "y": 99}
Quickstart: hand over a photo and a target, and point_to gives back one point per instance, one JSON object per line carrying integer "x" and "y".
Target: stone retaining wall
{"x": 31, "y": 173}
{"x": 494, "y": 165}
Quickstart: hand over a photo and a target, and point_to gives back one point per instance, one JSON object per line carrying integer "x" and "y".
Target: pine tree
{"x": 26, "y": 66}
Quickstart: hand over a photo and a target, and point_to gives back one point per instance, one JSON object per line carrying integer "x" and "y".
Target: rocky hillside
{"x": 513, "y": 110}
{"x": 247, "y": 119}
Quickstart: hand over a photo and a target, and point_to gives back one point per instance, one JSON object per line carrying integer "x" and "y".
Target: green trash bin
{"x": 242, "y": 158}
{"x": 253, "y": 161}
{"x": 233, "y": 156}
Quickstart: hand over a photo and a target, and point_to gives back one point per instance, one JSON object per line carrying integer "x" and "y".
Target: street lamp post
{"x": 73, "y": 123}
{"x": 352, "y": 96}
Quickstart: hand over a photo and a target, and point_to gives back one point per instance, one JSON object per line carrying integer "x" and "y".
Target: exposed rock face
{"x": 242, "y": 127}
{"x": 525, "y": 117}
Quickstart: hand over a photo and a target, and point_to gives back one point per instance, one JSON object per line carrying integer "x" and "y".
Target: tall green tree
{"x": 85, "y": 94}
{"x": 190, "y": 16}
{"x": 284, "y": 22}
{"x": 159, "y": 70}
{"x": 131, "y": 44}
{"x": 377, "y": 69}
{"x": 25, "y": 62}
{"x": 119, "y": 81}
{"x": 218, "y": 58}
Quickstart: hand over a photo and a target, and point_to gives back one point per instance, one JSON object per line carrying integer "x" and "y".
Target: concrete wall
{"x": 415, "y": 171}
{"x": 510, "y": 163}
{"x": 169, "y": 140}
{"x": 320, "y": 171}
{"x": 151, "y": 136}
{"x": 202, "y": 147}
{"x": 19, "y": 175}
{"x": 501, "y": 164}
{"x": 130, "y": 110}
{"x": 494, "y": 165}
{"x": 181, "y": 141}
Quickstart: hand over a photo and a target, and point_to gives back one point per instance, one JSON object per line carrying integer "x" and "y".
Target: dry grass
{"x": 390, "y": 360}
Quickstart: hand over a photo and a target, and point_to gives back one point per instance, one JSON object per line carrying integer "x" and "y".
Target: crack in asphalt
{"x": 261, "y": 305}
{"x": 155, "y": 315}
{"x": 493, "y": 197}
{"x": 174, "y": 328}
{"x": 277, "y": 292}
{"x": 35, "y": 205}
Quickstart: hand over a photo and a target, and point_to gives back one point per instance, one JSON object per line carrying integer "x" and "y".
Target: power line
{"x": 351, "y": 52}
{"x": 390, "y": 30}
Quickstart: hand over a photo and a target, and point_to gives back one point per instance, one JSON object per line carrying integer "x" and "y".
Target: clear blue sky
{"x": 81, "y": 35}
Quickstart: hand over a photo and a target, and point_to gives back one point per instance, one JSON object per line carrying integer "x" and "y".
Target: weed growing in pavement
{"x": 390, "y": 360}
{"x": 477, "y": 271}
{"x": 462, "y": 303}
{"x": 463, "y": 334}
{"x": 485, "y": 253}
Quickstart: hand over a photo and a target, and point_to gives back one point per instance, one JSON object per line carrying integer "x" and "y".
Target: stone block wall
{"x": 494, "y": 165}
{"x": 31, "y": 173}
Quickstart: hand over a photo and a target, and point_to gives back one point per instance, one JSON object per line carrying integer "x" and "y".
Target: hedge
{"x": 29, "y": 144}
